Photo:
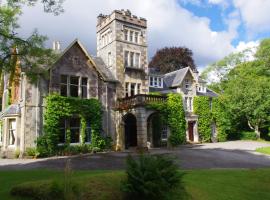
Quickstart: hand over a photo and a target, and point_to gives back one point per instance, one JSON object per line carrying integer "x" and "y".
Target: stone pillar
{"x": 141, "y": 127}
{"x": 119, "y": 143}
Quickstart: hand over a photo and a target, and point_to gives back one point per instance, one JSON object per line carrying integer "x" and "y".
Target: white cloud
{"x": 169, "y": 24}
{"x": 255, "y": 14}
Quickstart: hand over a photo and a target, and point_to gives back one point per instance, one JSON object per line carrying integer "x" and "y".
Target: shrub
{"x": 248, "y": 135}
{"x": 31, "y": 151}
{"x": 17, "y": 153}
{"x": 150, "y": 177}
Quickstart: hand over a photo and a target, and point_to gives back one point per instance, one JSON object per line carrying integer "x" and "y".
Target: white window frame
{"x": 131, "y": 35}
{"x": 134, "y": 58}
{"x": 15, "y": 131}
{"x": 157, "y": 81}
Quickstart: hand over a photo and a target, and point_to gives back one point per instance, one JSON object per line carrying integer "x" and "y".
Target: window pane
{"x": 84, "y": 92}
{"x": 137, "y": 59}
{"x": 138, "y": 88}
{"x": 132, "y": 89}
{"x": 84, "y": 81}
{"x": 88, "y": 132}
{"x": 126, "y": 34}
{"x": 131, "y": 36}
{"x": 151, "y": 81}
{"x": 12, "y": 131}
{"x": 136, "y": 37}
{"x": 63, "y": 90}
{"x": 74, "y": 130}
{"x": 126, "y": 89}
{"x": 131, "y": 59}
{"x": 74, "y": 91}
{"x": 126, "y": 58}
{"x": 64, "y": 79}
{"x": 74, "y": 80}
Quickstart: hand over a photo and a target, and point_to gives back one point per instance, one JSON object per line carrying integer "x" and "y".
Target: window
{"x": 126, "y": 58}
{"x": 64, "y": 85}
{"x": 137, "y": 60}
{"x": 88, "y": 132}
{"x": 109, "y": 59}
{"x": 156, "y": 82}
{"x": 160, "y": 84}
{"x": 84, "y": 88}
{"x": 74, "y": 86}
{"x": 12, "y": 132}
{"x": 74, "y": 130}
{"x": 190, "y": 104}
{"x": 164, "y": 133}
{"x": 136, "y": 37}
{"x": 132, "y": 89}
{"x": 151, "y": 81}
{"x": 138, "y": 88}
{"x": 126, "y": 34}
{"x": 131, "y": 59}
{"x": 187, "y": 84}
{"x": 127, "y": 89}
{"x": 186, "y": 103}
{"x": 131, "y": 36}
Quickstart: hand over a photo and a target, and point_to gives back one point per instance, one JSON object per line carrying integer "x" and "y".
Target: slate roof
{"x": 208, "y": 93}
{"x": 102, "y": 68}
{"x": 11, "y": 110}
{"x": 175, "y": 78}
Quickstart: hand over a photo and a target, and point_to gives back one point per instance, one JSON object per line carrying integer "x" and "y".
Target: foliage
{"x": 173, "y": 114}
{"x": 30, "y": 52}
{"x": 248, "y": 135}
{"x": 31, "y": 151}
{"x": 150, "y": 177}
{"x": 59, "y": 107}
{"x": 202, "y": 109}
{"x": 17, "y": 153}
{"x": 171, "y": 59}
{"x": 222, "y": 118}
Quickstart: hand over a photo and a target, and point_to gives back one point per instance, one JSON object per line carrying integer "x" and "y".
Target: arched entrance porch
{"x": 130, "y": 130}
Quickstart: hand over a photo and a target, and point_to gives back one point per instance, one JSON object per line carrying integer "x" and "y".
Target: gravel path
{"x": 235, "y": 154}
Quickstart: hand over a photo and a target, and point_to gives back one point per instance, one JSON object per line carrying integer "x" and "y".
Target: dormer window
{"x": 156, "y": 82}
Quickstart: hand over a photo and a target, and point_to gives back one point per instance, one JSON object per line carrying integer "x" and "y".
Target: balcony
{"x": 138, "y": 100}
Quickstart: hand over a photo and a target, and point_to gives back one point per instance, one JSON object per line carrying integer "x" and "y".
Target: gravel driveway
{"x": 235, "y": 154}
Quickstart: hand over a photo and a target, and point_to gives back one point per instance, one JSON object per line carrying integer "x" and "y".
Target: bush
{"x": 248, "y": 135}
{"x": 39, "y": 191}
{"x": 31, "y": 151}
{"x": 150, "y": 177}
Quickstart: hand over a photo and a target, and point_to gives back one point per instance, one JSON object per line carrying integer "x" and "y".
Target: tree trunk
{"x": 257, "y": 131}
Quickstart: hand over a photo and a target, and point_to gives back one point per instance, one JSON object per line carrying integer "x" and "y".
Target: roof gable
{"x": 175, "y": 78}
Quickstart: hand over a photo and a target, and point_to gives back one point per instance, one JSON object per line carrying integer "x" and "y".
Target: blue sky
{"x": 210, "y": 28}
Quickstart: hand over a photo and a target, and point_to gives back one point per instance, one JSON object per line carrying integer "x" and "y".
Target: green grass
{"x": 196, "y": 184}
{"x": 265, "y": 150}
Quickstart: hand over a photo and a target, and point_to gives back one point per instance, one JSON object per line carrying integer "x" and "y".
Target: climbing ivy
{"x": 201, "y": 105}
{"x": 222, "y": 118}
{"x": 59, "y": 107}
{"x": 173, "y": 114}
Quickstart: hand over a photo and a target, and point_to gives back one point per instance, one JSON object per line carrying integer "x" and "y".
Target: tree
{"x": 171, "y": 59}
{"x": 30, "y": 52}
{"x": 248, "y": 94}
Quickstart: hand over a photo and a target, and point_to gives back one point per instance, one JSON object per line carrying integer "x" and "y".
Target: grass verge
{"x": 196, "y": 184}
{"x": 265, "y": 150}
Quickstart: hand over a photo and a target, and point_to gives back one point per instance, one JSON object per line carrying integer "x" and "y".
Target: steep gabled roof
{"x": 97, "y": 62}
{"x": 175, "y": 78}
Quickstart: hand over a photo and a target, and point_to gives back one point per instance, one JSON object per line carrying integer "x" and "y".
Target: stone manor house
{"x": 118, "y": 76}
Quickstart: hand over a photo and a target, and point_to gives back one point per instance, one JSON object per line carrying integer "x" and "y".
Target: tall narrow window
{"x": 151, "y": 81}
{"x": 74, "y": 130}
{"x": 131, "y": 59}
{"x": 155, "y": 81}
{"x": 126, "y": 34}
{"x": 88, "y": 132}
{"x": 164, "y": 134}
{"x": 136, "y": 37}
{"x": 62, "y": 136}
{"x": 132, "y": 89}
{"x": 126, "y": 58}
{"x": 84, "y": 88}
{"x": 190, "y": 104}
{"x": 74, "y": 86}
{"x": 138, "y": 88}
{"x": 187, "y": 83}
{"x": 109, "y": 59}
{"x": 131, "y": 36}
{"x": 126, "y": 89}
{"x": 137, "y": 60}
{"x": 12, "y": 132}
{"x": 160, "y": 82}
{"x": 64, "y": 85}
{"x": 186, "y": 103}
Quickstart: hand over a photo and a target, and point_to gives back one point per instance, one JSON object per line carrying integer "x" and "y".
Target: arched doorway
{"x": 130, "y": 130}
{"x": 155, "y": 130}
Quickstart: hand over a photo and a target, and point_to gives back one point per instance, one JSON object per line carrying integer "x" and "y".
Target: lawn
{"x": 196, "y": 184}
{"x": 265, "y": 150}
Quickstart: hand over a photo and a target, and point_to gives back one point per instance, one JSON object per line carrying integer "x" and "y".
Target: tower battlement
{"x": 120, "y": 15}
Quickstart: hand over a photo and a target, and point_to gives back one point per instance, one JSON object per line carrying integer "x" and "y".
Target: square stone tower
{"x": 122, "y": 44}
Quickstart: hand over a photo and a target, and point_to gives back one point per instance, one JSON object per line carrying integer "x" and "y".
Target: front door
{"x": 130, "y": 131}
{"x": 190, "y": 131}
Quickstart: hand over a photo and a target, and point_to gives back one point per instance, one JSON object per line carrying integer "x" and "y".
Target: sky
{"x": 212, "y": 29}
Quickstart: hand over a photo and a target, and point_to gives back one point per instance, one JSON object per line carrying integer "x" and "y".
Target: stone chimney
{"x": 56, "y": 46}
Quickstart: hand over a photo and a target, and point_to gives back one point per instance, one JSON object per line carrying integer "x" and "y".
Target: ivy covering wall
{"x": 59, "y": 107}
{"x": 201, "y": 107}
{"x": 207, "y": 116}
{"x": 173, "y": 114}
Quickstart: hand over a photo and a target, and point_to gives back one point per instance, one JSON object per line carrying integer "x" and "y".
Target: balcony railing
{"x": 138, "y": 100}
